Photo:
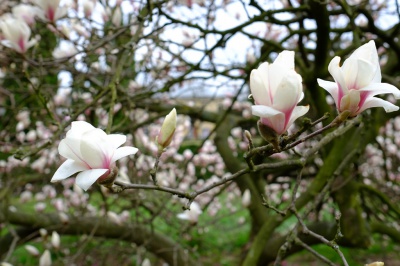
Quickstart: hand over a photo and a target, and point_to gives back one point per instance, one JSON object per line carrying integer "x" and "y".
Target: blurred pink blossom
{"x": 16, "y": 33}
{"x": 51, "y": 9}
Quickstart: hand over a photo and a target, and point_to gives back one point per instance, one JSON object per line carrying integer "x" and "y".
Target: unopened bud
{"x": 109, "y": 177}
{"x": 32, "y": 250}
{"x": 246, "y": 198}
{"x": 268, "y": 134}
{"x": 55, "y": 240}
{"x": 45, "y": 259}
{"x": 377, "y": 263}
{"x": 168, "y": 127}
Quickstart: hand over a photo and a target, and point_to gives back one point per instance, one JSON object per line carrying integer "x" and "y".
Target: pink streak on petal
{"x": 21, "y": 44}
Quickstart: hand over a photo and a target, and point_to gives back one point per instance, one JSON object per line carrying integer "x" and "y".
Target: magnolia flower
{"x": 51, "y": 9}
{"x": 191, "y": 215}
{"x": 26, "y": 12}
{"x": 92, "y": 152}
{"x": 16, "y": 33}
{"x": 277, "y": 89}
{"x": 167, "y": 131}
{"x": 357, "y": 81}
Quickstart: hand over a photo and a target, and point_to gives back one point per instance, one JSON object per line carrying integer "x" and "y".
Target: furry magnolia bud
{"x": 167, "y": 131}
{"x": 268, "y": 134}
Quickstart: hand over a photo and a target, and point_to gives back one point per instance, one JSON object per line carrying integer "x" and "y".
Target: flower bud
{"x": 246, "y": 198}
{"x": 378, "y": 263}
{"x": 45, "y": 259}
{"x": 32, "y": 250}
{"x": 168, "y": 127}
{"x": 268, "y": 134}
{"x": 55, "y": 240}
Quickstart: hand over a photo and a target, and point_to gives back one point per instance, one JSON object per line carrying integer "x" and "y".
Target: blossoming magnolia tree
{"x": 172, "y": 130}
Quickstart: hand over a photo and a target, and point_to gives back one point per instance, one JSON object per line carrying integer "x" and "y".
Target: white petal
{"x": 95, "y": 149}
{"x": 78, "y": 128}
{"x": 122, "y": 152}
{"x": 363, "y": 75}
{"x": 337, "y": 74}
{"x": 286, "y": 58}
{"x": 288, "y": 93}
{"x": 382, "y": 88}
{"x": 70, "y": 149}
{"x": 86, "y": 178}
{"x": 183, "y": 216}
{"x": 195, "y": 207}
{"x": 116, "y": 140}
{"x": 330, "y": 87}
{"x": 68, "y": 168}
{"x": 377, "y": 102}
{"x": 257, "y": 87}
{"x": 297, "y": 112}
{"x": 264, "y": 111}
{"x": 277, "y": 72}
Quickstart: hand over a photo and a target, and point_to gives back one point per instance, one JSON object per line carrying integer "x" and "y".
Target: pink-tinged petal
{"x": 68, "y": 168}
{"x": 270, "y": 117}
{"x": 288, "y": 93}
{"x": 116, "y": 140}
{"x": 330, "y": 87}
{"x": 382, "y": 88}
{"x": 377, "y": 102}
{"x": 277, "y": 123}
{"x": 122, "y": 152}
{"x": 95, "y": 149}
{"x": 264, "y": 111}
{"x": 337, "y": 74}
{"x": 350, "y": 102}
{"x": 86, "y": 178}
{"x": 296, "y": 113}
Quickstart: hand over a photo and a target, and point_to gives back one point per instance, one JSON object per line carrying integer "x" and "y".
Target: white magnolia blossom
{"x": 26, "y": 13}
{"x": 16, "y": 34}
{"x": 51, "y": 10}
{"x": 91, "y": 152}
{"x": 191, "y": 215}
{"x": 357, "y": 81}
{"x": 277, "y": 89}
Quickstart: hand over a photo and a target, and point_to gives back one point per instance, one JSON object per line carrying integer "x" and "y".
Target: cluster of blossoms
{"x": 277, "y": 89}
{"x": 15, "y": 26}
